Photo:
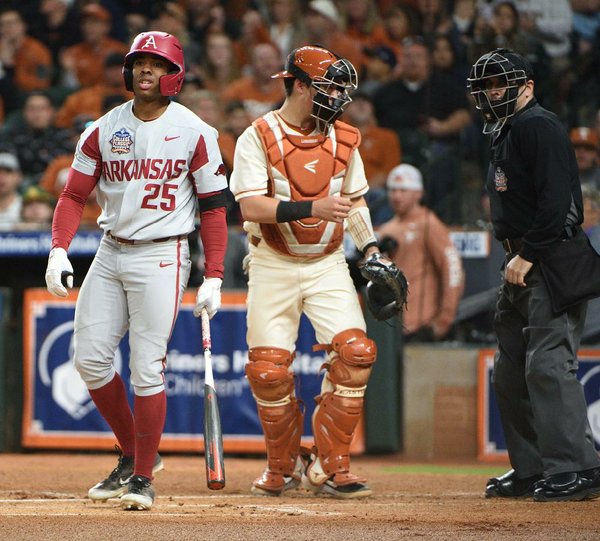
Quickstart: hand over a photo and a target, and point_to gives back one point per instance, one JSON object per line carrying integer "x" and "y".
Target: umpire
{"x": 536, "y": 202}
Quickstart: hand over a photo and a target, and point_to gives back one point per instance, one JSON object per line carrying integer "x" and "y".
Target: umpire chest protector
{"x": 302, "y": 168}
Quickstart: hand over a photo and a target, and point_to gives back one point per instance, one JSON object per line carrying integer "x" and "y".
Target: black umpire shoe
{"x": 570, "y": 486}
{"x": 511, "y": 486}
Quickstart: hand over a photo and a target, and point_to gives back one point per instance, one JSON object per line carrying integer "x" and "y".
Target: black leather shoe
{"x": 570, "y": 486}
{"x": 511, "y": 486}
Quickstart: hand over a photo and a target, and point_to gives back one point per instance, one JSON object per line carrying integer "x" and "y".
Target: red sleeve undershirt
{"x": 69, "y": 208}
{"x": 213, "y": 233}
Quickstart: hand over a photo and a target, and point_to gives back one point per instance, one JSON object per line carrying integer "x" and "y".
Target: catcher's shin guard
{"x": 272, "y": 385}
{"x": 340, "y": 405}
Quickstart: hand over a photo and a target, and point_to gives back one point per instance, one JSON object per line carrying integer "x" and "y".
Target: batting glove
{"x": 59, "y": 268}
{"x": 209, "y": 297}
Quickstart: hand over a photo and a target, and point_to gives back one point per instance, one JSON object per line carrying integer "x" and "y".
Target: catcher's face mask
{"x": 496, "y": 83}
{"x": 333, "y": 79}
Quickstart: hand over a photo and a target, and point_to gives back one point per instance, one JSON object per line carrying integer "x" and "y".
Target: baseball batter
{"x": 154, "y": 164}
{"x": 299, "y": 179}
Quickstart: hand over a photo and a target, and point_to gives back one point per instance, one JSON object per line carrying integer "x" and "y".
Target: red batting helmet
{"x": 165, "y": 46}
{"x": 323, "y": 70}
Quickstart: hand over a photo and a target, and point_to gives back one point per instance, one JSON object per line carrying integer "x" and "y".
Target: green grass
{"x": 445, "y": 470}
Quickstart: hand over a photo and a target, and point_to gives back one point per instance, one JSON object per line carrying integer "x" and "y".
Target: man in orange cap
{"x": 587, "y": 144}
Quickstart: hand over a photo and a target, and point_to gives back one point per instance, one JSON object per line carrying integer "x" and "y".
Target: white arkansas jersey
{"x": 150, "y": 172}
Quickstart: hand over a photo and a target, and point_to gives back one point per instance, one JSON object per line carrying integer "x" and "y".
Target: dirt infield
{"x": 42, "y": 496}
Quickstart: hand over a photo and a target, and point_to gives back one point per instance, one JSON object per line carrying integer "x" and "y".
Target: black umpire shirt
{"x": 533, "y": 181}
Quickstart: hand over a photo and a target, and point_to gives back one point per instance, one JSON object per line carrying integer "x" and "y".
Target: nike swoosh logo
{"x": 123, "y": 482}
{"x": 171, "y": 138}
{"x": 165, "y": 264}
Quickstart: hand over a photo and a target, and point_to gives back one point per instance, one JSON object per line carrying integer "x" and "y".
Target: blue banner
{"x": 491, "y": 438}
{"x": 39, "y": 243}
{"x": 59, "y": 412}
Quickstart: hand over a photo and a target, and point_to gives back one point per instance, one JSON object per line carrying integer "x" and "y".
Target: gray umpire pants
{"x": 541, "y": 402}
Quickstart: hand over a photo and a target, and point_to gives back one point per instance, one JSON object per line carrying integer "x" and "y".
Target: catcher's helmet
{"x": 513, "y": 70}
{"x": 165, "y": 46}
{"x": 320, "y": 68}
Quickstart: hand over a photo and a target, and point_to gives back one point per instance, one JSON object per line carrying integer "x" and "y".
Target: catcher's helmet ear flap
{"x": 381, "y": 302}
{"x": 513, "y": 71}
{"x": 165, "y": 46}
{"x": 333, "y": 78}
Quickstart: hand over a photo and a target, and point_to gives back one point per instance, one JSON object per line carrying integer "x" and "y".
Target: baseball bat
{"x": 213, "y": 437}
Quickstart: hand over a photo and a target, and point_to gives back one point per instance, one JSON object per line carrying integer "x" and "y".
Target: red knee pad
{"x": 354, "y": 347}
{"x": 268, "y": 374}
{"x": 356, "y": 354}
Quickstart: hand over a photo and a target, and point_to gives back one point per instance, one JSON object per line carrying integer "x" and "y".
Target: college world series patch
{"x": 121, "y": 142}
{"x": 500, "y": 180}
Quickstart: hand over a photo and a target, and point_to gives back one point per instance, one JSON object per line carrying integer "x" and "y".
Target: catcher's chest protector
{"x": 305, "y": 168}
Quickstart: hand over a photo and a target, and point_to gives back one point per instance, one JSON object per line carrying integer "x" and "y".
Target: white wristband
{"x": 360, "y": 227}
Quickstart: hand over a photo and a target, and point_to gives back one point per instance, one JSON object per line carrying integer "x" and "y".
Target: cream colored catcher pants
{"x": 282, "y": 287}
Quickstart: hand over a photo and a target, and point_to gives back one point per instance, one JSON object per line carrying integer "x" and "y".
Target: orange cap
{"x": 586, "y": 137}
{"x": 96, "y": 11}
{"x": 312, "y": 61}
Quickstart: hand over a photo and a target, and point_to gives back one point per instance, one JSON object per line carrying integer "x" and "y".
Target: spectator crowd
{"x": 60, "y": 68}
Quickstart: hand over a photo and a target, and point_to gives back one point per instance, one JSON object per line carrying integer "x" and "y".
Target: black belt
{"x": 129, "y": 241}
{"x": 512, "y": 246}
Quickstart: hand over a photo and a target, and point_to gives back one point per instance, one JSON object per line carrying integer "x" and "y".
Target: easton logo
{"x": 121, "y": 142}
{"x": 311, "y": 166}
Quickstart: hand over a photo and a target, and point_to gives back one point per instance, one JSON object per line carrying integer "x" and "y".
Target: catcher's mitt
{"x": 387, "y": 289}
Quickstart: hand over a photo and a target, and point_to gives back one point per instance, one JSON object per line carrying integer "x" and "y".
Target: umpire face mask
{"x": 333, "y": 93}
{"x": 496, "y": 84}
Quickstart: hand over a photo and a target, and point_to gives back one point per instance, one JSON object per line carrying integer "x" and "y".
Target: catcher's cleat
{"x": 115, "y": 484}
{"x": 343, "y": 485}
{"x": 140, "y": 494}
{"x": 358, "y": 489}
{"x": 273, "y": 484}
{"x": 511, "y": 486}
{"x": 276, "y": 484}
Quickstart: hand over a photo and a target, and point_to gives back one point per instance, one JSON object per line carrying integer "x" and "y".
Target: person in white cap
{"x": 323, "y": 25}
{"x": 419, "y": 243}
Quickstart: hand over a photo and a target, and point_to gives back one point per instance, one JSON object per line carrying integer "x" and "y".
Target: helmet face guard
{"x": 332, "y": 77}
{"x": 333, "y": 93}
{"x": 164, "y": 46}
{"x": 495, "y": 65}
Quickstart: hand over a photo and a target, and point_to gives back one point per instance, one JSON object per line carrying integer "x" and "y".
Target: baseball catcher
{"x": 387, "y": 290}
